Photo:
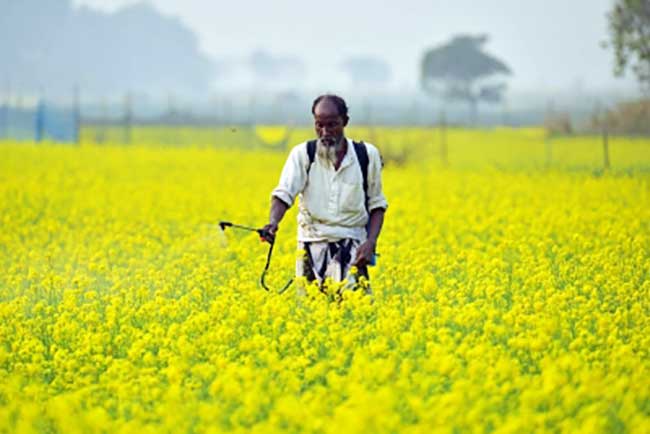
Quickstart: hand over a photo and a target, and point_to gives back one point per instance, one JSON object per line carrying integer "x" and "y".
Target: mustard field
{"x": 512, "y": 293}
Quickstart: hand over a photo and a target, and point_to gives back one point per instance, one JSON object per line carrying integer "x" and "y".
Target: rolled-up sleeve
{"x": 293, "y": 176}
{"x": 376, "y": 198}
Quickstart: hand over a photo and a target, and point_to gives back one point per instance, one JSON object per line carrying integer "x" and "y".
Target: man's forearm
{"x": 278, "y": 209}
{"x": 376, "y": 222}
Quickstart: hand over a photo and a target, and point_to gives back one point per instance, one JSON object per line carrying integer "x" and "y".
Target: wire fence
{"x": 448, "y": 144}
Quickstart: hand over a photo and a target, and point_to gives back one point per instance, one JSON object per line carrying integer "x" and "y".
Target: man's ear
{"x": 346, "y": 119}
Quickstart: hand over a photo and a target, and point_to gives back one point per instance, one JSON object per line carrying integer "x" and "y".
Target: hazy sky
{"x": 550, "y": 45}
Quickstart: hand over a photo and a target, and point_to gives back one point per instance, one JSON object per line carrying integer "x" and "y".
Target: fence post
{"x": 100, "y": 127}
{"x": 444, "y": 157}
{"x": 39, "y": 121}
{"x": 606, "y": 140}
{"x": 216, "y": 118}
{"x": 128, "y": 114}
{"x": 4, "y": 116}
{"x": 76, "y": 113}
{"x": 252, "y": 112}
{"x": 4, "y": 112}
{"x": 367, "y": 108}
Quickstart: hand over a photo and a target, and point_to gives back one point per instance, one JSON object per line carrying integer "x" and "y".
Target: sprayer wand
{"x": 265, "y": 236}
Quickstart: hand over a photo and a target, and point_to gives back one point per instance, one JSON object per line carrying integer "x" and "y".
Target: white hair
{"x": 329, "y": 152}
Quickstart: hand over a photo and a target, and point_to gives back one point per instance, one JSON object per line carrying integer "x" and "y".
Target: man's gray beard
{"x": 329, "y": 152}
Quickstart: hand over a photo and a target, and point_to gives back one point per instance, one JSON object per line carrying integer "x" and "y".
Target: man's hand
{"x": 269, "y": 231}
{"x": 278, "y": 208}
{"x": 364, "y": 253}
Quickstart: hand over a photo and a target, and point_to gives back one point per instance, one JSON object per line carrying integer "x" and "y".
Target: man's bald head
{"x": 329, "y": 102}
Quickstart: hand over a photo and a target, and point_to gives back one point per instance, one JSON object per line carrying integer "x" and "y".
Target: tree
{"x": 460, "y": 70}
{"x": 56, "y": 44}
{"x": 629, "y": 28}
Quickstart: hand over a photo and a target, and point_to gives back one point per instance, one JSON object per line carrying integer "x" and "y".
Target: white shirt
{"x": 332, "y": 202}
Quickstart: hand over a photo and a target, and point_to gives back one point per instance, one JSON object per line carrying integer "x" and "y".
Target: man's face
{"x": 329, "y": 124}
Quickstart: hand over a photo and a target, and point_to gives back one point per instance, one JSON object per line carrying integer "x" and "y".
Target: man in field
{"x": 341, "y": 208}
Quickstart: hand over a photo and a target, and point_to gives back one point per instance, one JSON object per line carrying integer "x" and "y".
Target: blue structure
{"x": 39, "y": 122}
{"x": 44, "y": 122}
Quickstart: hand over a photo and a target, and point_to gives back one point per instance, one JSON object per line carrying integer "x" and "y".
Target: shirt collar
{"x": 349, "y": 156}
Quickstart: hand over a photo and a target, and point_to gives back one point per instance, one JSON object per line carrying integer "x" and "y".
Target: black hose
{"x": 266, "y": 267}
{"x": 271, "y": 241}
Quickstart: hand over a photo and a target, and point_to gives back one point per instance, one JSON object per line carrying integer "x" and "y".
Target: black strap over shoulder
{"x": 311, "y": 152}
{"x": 362, "y": 155}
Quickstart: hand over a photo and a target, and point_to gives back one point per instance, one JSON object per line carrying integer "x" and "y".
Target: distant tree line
{"x": 53, "y": 46}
